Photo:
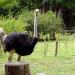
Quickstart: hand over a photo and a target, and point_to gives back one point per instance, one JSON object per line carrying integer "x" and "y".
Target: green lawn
{"x": 43, "y": 59}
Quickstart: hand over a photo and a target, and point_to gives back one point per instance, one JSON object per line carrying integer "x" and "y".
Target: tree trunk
{"x": 17, "y": 68}
{"x": 52, "y": 36}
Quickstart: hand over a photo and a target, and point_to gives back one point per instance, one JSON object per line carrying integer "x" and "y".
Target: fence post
{"x": 17, "y": 68}
{"x": 56, "y": 49}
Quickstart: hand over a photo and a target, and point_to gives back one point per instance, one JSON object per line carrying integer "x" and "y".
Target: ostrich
{"x": 19, "y": 42}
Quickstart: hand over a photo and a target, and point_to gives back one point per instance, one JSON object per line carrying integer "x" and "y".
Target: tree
{"x": 67, "y": 9}
{"x": 6, "y": 6}
{"x": 49, "y": 23}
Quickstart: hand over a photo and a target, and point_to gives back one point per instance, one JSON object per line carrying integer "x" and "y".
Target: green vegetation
{"x": 67, "y": 7}
{"x": 11, "y": 24}
{"x": 48, "y": 23}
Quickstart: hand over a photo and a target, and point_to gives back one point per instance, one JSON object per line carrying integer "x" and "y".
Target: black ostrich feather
{"x": 22, "y": 43}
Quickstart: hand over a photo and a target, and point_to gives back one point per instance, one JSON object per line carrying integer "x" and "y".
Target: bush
{"x": 11, "y": 24}
{"x": 50, "y": 23}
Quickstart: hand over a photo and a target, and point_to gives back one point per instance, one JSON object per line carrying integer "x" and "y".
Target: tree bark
{"x": 17, "y": 68}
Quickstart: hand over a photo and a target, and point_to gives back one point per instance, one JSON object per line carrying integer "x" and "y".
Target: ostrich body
{"x": 21, "y": 43}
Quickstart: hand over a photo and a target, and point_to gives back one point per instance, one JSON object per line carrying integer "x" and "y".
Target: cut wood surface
{"x": 17, "y": 68}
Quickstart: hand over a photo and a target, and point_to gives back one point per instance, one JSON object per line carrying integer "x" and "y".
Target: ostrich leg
{"x": 19, "y": 58}
{"x": 11, "y": 55}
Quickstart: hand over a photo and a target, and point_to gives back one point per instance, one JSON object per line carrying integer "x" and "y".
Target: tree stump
{"x": 17, "y": 68}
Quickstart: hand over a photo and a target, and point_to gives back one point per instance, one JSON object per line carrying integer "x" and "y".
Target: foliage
{"x": 15, "y": 6}
{"x": 30, "y": 4}
{"x": 28, "y": 18}
{"x": 70, "y": 4}
{"x": 8, "y": 3}
{"x": 9, "y": 6}
{"x": 50, "y": 22}
{"x": 11, "y": 24}
{"x": 46, "y": 22}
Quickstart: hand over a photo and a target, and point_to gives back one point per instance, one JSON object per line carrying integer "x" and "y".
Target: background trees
{"x": 67, "y": 8}
{"x": 49, "y": 20}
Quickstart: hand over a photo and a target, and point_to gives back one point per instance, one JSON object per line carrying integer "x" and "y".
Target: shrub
{"x": 50, "y": 23}
{"x": 11, "y": 24}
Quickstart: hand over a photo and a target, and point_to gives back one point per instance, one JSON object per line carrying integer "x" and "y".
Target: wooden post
{"x": 56, "y": 49}
{"x": 17, "y": 68}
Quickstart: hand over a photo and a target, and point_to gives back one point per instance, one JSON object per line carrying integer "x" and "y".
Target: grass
{"x": 43, "y": 60}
